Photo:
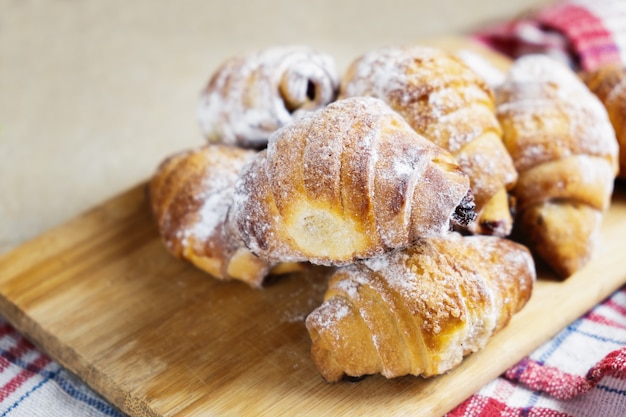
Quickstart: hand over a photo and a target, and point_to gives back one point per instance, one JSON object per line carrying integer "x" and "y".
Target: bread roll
{"x": 190, "y": 195}
{"x": 449, "y": 104}
{"x": 252, "y": 95}
{"x": 565, "y": 151}
{"x": 347, "y": 182}
{"x": 419, "y": 311}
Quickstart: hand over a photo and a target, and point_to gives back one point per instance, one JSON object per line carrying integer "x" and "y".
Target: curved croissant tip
{"x": 464, "y": 214}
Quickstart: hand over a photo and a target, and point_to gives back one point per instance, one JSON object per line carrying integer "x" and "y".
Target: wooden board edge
{"x": 39, "y": 249}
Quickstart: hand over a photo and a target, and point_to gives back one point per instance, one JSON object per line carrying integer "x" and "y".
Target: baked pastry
{"x": 349, "y": 181}
{"x": 252, "y": 95}
{"x": 448, "y": 103}
{"x": 190, "y": 195}
{"x": 484, "y": 66}
{"x": 608, "y": 83}
{"x": 419, "y": 311}
{"x": 565, "y": 151}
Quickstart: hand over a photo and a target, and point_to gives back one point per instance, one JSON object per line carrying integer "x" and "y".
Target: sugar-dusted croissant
{"x": 349, "y": 181}
{"x": 608, "y": 83}
{"x": 419, "y": 311}
{"x": 190, "y": 195}
{"x": 448, "y": 103}
{"x": 252, "y": 95}
{"x": 565, "y": 151}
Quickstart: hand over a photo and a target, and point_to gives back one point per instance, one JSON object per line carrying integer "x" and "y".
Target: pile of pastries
{"x": 429, "y": 191}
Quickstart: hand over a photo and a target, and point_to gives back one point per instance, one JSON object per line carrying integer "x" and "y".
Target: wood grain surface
{"x": 157, "y": 337}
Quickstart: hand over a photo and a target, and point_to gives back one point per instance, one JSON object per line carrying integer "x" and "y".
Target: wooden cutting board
{"x": 157, "y": 337}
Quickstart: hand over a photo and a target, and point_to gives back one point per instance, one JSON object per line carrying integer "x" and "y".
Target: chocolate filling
{"x": 464, "y": 213}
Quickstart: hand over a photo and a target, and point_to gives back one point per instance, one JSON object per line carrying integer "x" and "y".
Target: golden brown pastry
{"x": 419, "y": 311}
{"x": 565, "y": 151}
{"x": 608, "y": 83}
{"x": 349, "y": 181}
{"x": 190, "y": 195}
{"x": 486, "y": 67}
{"x": 448, "y": 103}
{"x": 252, "y": 95}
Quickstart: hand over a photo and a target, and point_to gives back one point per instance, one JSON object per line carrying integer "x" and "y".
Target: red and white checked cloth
{"x": 581, "y": 372}
{"x": 584, "y": 33}
{"x": 32, "y": 385}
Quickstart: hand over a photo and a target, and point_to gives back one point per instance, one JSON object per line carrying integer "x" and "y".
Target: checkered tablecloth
{"x": 585, "y": 34}
{"x": 33, "y": 385}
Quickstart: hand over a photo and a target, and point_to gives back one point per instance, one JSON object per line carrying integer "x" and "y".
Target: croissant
{"x": 419, "y": 311}
{"x": 190, "y": 195}
{"x": 565, "y": 151}
{"x": 608, "y": 83}
{"x": 252, "y": 95}
{"x": 345, "y": 182}
{"x": 448, "y": 103}
{"x": 486, "y": 67}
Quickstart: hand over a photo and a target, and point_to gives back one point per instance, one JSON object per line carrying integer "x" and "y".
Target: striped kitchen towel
{"x": 32, "y": 385}
{"x": 585, "y": 34}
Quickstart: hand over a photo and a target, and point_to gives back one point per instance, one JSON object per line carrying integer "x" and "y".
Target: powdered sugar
{"x": 443, "y": 100}
{"x": 348, "y": 287}
{"x": 251, "y": 96}
{"x": 348, "y": 181}
{"x": 542, "y": 95}
{"x": 325, "y": 318}
{"x": 422, "y": 308}
{"x": 492, "y": 75}
{"x": 216, "y": 200}
{"x": 215, "y": 193}
{"x": 618, "y": 91}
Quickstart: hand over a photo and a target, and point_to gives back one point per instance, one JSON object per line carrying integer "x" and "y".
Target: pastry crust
{"x": 419, "y": 311}
{"x": 448, "y": 103}
{"x": 343, "y": 183}
{"x": 608, "y": 83}
{"x": 190, "y": 195}
{"x": 252, "y": 95}
{"x": 565, "y": 151}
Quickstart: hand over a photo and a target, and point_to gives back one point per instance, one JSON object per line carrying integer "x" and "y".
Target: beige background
{"x": 95, "y": 93}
